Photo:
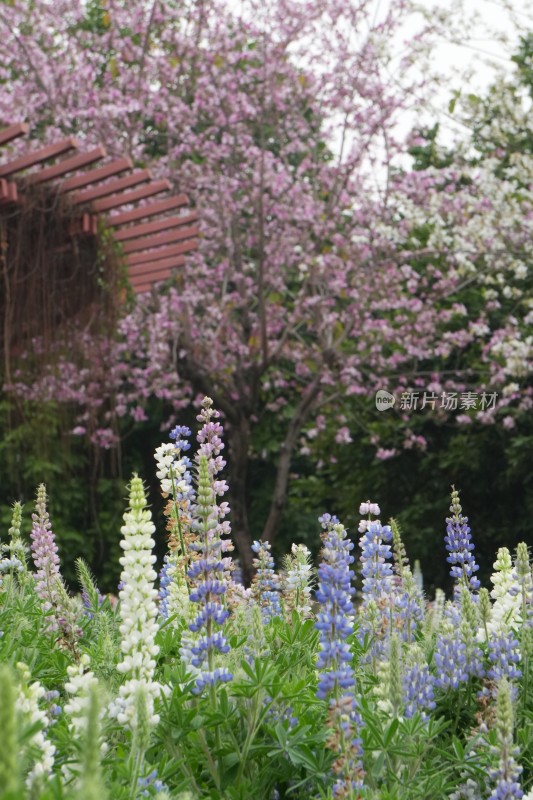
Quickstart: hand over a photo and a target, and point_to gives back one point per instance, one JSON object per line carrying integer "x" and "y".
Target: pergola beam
{"x": 112, "y": 187}
{"x": 94, "y": 175}
{"x": 68, "y": 165}
{"x": 148, "y": 210}
{"x": 38, "y": 156}
{"x": 154, "y": 227}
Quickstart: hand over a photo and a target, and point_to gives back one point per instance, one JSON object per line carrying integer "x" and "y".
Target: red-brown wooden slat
{"x": 142, "y": 288}
{"x": 149, "y": 267}
{"x": 8, "y": 192}
{"x": 154, "y": 227}
{"x": 38, "y": 156}
{"x": 162, "y": 252}
{"x": 168, "y": 237}
{"x": 94, "y": 175}
{"x": 148, "y": 210}
{"x": 155, "y": 187}
{"x": 160, "y": 275}
{"x": 112, "y": 187}
{"x": 68, "y": 165}
{"x": 13, "y": 132}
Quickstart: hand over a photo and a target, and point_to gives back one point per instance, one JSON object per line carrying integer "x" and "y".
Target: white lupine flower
{"x": 81, "y": 679}
{"x": 138, "y": 609}
{"x": 297, "y": 580}
{"x": 28, "y": 706}
{"x": 507, "y": 601}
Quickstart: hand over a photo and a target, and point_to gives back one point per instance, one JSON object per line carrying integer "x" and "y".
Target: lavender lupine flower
{"x": 506, "y": 776}
{"x": 460, "y": 546}
{"x": 138, "y": 612}
{"x": 336, "y": 679}
{"x": 266, "y": 582}
{"x": 45, "y": 557}
{"x": 49, "y": 583}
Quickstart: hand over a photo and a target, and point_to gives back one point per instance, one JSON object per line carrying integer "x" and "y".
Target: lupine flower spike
{"x": 210, "y": 571}
{"x": 296, "y": 581}
{"x": 14, "y": 562}
{"x": 460, "y": 546}
{"x": 377, "y": 579}
{"x": 176, "y": 484}
{"x": 336, "y": 678}
{"x": 49, "y": 583}
{"x": 508, "y": 772}
{"x": 266, "y": 583}
{"x": 138, "y": 611}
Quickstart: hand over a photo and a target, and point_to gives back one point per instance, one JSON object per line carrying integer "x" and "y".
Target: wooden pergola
{"x": 74, "y": 224}
{"x": 153, "y": 242}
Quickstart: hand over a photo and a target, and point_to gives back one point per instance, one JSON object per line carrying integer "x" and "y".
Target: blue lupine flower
{"x": 450, "y": 659}
{"x": 376, "y": 569}
{"x": 266, "y": 582}
{"x": 180, "y": 434}
{"x": 377, "y": 588}
{"x": 151, "y": 784}
{"x": 165, "y": 580}
{"x": 417, "y": 686}
{"x": 336, "y": 679}
{"x": 460, "y": 546}
{"x": 504, "y": 654}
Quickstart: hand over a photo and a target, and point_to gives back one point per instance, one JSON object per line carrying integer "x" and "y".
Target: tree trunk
{"x": 279, "y": 497}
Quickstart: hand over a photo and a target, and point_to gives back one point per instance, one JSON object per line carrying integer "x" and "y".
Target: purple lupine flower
{"x": 460, "y": 546}
{"x": 336, "y": 679}
{"x": 266, "y": 582}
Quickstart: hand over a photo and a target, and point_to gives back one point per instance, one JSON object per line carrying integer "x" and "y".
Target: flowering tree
{"x": 311, "y": 285}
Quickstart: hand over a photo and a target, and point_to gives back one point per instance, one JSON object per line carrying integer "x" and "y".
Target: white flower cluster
{"x": 297, "y": 588}
{"x": 165, "y": 457}
{"x": 28, "y": 705}
{"x": 138, "y": 611}
{"x": 507, "y": 600}
{"x": 170, "y": 469}
{"x": 81, "y": 680}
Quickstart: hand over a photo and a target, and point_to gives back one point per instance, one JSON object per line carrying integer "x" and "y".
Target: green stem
{"x": 250, "y": 736}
